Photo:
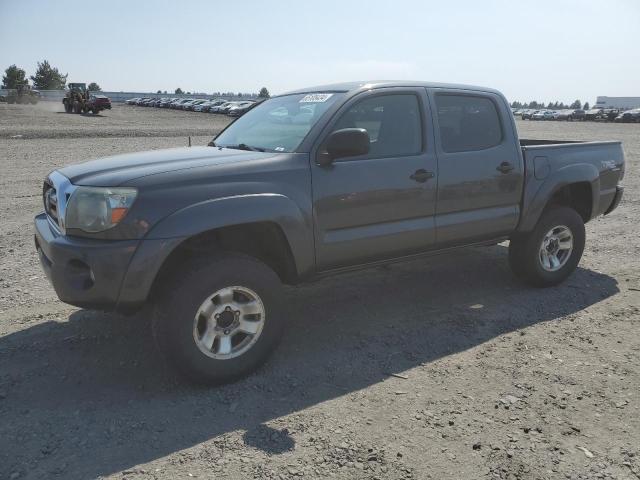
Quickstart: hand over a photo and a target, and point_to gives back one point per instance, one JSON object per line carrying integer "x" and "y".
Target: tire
{"x": 526, "y": 258}
{"x": 76, "y": 107}
{"x": 68, "y": 107}
{"x": 178, "y": 320}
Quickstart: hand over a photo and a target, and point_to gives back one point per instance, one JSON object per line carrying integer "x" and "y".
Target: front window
{"x": 278, "y": 124}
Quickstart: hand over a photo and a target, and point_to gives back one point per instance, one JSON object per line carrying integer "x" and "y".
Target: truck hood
{"x": 116, "y": 170}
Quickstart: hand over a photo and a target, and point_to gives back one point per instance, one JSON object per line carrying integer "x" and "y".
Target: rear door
{"x": 480, "y": 167}
{"x": 382, "y": 204}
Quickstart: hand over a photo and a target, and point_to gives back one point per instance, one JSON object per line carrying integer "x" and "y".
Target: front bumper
{"x": 100, "y": 274}
{"x": 84, "y": 272}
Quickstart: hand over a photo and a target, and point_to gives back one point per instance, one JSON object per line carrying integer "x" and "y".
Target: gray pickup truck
{"x": 306, "y": 184}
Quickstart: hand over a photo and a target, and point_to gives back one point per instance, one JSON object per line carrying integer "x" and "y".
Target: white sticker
{"x": 279, "y": 149}
{"x": 316, "y": 98}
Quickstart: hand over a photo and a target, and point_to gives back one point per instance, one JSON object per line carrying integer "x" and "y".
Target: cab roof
{"x": 356, "y": 86}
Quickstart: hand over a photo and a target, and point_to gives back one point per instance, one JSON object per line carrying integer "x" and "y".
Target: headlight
{"x": 95, "y": 209}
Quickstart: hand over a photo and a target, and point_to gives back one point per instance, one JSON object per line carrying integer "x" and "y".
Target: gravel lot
{"x": 439, "y": 368}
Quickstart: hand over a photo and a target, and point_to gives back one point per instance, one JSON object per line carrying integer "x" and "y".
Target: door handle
{"x": 505, "y": 167}
{"x": 421, "y": 175}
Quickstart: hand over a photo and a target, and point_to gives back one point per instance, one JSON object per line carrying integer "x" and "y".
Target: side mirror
{"x": 347, "y": 142}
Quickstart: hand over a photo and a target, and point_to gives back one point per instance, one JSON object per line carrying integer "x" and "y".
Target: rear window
{"x": 467, "y": 123}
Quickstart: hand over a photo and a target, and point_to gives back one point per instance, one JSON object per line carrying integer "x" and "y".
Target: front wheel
{"x": 219, "y": 317}
{"x": 550, "y": 253}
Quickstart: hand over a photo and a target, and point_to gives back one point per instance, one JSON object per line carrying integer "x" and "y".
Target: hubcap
{"x": 556, "y": 248}
{"x": 229, "y": 322}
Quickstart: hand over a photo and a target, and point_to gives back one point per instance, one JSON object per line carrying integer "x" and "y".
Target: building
{"x": 625, "y": 103}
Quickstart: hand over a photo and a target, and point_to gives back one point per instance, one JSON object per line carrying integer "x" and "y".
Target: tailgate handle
{"x": 421, "y": 175}
{"x": 505, "y": 167}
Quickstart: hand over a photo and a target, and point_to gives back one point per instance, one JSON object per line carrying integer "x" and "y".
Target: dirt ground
{"x": 442, "y": 368}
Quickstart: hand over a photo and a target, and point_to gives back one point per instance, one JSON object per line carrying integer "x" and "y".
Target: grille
{"x": 50, "y": 200}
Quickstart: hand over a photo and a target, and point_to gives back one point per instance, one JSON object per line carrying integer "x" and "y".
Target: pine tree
{"x": 13, "y": 76}
{"x": 48, "y": 77}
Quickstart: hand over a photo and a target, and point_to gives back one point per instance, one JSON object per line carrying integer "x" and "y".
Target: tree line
{"x": 45, "y": 78}
{"x": 263, "y": 93}
{"x": 576, "y": 105}
{"x": 50, "y": 78}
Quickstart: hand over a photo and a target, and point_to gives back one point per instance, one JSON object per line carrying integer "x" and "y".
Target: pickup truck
{"x": 97, "y": 103}
{"x": 310, "y": 183}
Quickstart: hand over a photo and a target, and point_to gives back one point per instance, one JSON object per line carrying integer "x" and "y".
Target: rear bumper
{"x": 616, "y": 200}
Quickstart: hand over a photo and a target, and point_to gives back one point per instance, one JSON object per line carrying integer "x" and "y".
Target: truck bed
{"x": 550, "y": 164}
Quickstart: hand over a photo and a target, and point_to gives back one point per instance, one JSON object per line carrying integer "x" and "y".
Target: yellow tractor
{"x": 76, "y": 99}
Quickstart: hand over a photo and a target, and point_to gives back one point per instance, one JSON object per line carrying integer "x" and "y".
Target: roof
{"x": 369, "y": 84}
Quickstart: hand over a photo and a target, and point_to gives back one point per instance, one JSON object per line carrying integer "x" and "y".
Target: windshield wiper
{"x": 244, "y": 146}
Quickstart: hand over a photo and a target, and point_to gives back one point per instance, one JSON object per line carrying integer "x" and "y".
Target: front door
{"x": 382, "y": 204}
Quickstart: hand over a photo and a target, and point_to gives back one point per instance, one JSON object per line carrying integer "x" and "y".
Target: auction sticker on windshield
{"x": 316, "y": 98}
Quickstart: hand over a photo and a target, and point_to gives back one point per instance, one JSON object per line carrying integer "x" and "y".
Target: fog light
{"x": 79, "y": 275}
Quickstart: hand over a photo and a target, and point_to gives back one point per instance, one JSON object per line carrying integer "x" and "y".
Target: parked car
{"x": 165, "y": 102}
{"x": 527, "y": 114}
{"x": 192, "y": 105}
{"x": 610, "y": 114}
{"x": 577, "y": 114}
{"x": 228, "y": 106}
{"x": 210, "y": 104}
{"x": 177, "y": 103}
{"x": 185, "y": 105}
{"x": 222, "y": 108}
{"x": 215, "y": 103}
{"x": 542, "y": 115}
{"x": 141, "y": 100}
{"x": 629, "y": 116}
{"x": 561, "y": 114}
{"x": 132, "y": 101}
{"x": 171, "y": 102}
{"x": 594, "y": 114}
{"x": 240, "y": 108}
{"x": 208, "y": 235}
{"x": 202, "y": 106}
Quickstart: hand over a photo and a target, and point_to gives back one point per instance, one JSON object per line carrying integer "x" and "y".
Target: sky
{"x": 543, "y": 50}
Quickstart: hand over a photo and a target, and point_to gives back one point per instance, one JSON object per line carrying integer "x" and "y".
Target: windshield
{"x": 279, "y": 124}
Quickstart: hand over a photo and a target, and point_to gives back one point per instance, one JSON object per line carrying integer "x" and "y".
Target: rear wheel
{"x": 219, "y": 318}
{"x": 550, "y": 253}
